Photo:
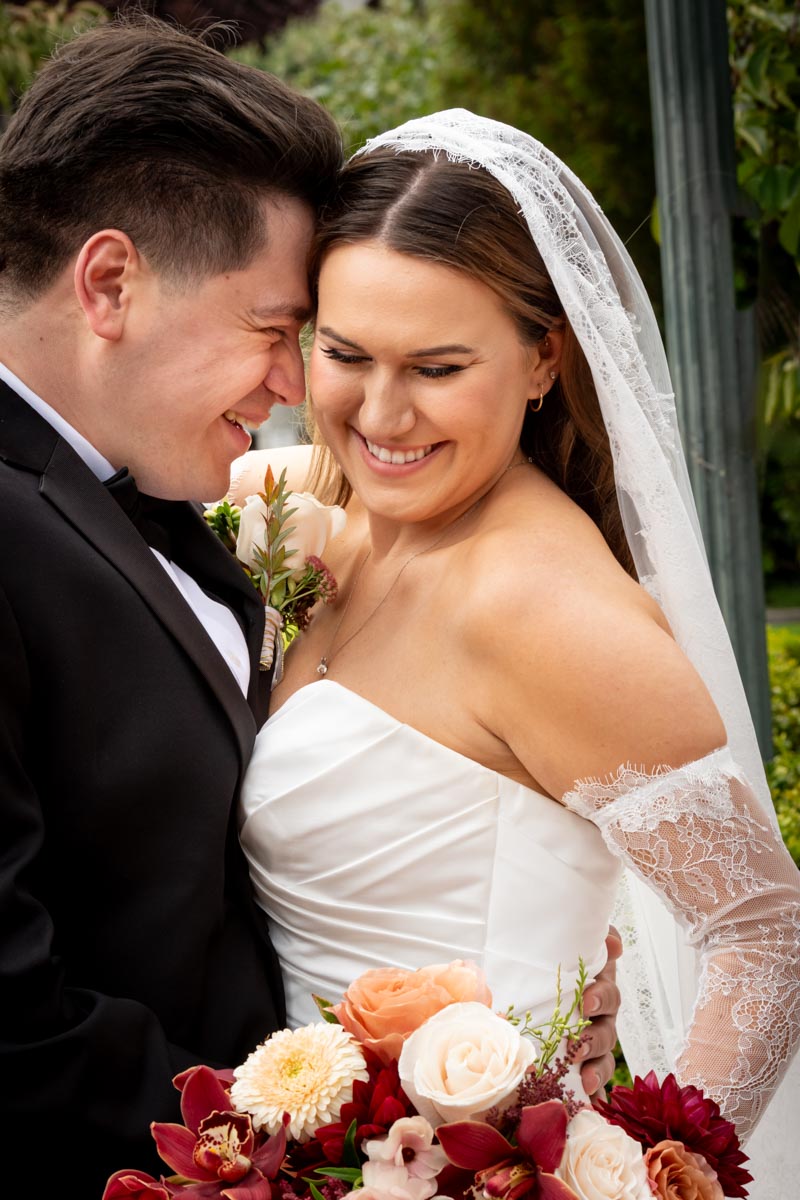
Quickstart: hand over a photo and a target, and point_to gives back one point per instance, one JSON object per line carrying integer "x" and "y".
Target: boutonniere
{"x": 279, "y": 537}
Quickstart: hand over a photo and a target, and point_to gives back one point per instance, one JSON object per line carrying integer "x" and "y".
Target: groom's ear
{"x": 108, "y": 271}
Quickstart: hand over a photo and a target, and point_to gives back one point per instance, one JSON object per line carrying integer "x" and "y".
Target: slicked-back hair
{"x": 145, "y": 128}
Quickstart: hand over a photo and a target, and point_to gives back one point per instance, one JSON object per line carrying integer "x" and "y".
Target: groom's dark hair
{"x": 142, "y": 127}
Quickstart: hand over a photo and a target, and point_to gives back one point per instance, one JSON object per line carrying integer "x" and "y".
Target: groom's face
{"x": 206, "y": 360}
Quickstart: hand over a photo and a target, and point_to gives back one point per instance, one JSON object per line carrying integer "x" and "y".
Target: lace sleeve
{"x": 697, "y": 836}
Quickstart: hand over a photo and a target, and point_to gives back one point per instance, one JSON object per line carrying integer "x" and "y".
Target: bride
{"x": 525, "y": 696}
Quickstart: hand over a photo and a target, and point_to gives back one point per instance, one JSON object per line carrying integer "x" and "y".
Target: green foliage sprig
{"x": 292, "y": 589}
{"x": 561, "y": 1026}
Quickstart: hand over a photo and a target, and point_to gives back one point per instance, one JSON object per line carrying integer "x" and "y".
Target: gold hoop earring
{"x": 534, "y": 407}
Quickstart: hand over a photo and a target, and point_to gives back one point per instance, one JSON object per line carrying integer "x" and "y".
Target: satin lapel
{"x": 205, "y": 558}
{"x": 71, "y": 488}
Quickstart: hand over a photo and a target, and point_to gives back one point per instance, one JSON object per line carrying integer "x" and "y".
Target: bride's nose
{"x": 387, "y": 410}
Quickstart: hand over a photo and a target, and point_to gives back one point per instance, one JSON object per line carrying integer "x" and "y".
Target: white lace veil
{"x": 608, "y": 308}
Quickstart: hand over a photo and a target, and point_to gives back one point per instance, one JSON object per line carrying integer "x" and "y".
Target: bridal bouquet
{"x": 413, "y": 1088}
{"x": 279, "y": 537}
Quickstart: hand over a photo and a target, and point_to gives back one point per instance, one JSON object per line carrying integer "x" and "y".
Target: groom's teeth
{"x": 245, "y": 423}
{"x": 397, "y": 457}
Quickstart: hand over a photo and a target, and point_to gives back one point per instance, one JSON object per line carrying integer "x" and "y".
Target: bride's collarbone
{"x": 418, "y": 673}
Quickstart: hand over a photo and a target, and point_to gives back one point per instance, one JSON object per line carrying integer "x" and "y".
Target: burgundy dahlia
{"x": 653, "y": 1112}
{"x": 376, "y": 1105}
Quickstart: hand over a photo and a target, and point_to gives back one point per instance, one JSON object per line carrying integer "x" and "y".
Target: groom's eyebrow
{"x": 280, "y": 311}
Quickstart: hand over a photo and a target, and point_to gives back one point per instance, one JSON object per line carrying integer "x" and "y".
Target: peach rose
{"x": 383, "y": 1007}
{"x": 675, "y": 1173}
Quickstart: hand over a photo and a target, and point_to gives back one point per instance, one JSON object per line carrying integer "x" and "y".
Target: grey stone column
{"x": 711, "y": 347}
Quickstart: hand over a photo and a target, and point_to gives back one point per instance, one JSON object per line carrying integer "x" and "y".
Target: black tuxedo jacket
{"x": 130, "y": 948}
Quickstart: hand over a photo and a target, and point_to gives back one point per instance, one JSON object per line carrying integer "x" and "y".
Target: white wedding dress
{"x": 372, "y": 845}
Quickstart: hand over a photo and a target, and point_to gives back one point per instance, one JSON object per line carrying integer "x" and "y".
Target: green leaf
{"x": 350, "y": 1151}
{"x": 350, "y": 1174}
{"x": 315, "y": 1192}
{"x": 789, "y": 230}
{"x": 754, "y": 133}
{"x": 325, "y": 1008}
{"x": 757, "y": 67}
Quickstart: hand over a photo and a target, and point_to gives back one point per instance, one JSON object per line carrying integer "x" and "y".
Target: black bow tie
{"x": 139, "y": 509}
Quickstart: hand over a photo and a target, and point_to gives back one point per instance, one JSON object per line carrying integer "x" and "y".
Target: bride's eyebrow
{"x": 435, "y": 351}
{"x": 428, "y": 352}
{"x": 326, "y": 331}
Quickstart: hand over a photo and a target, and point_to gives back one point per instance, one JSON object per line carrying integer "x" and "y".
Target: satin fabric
{"x": 372, "y": 845}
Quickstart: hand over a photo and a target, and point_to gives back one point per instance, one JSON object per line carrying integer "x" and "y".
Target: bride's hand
{"x": 601, "y": 1004}
{"x": 247, "y": 472}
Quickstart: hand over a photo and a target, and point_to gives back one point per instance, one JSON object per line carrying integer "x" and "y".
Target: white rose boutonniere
{"x": 279, "y": 538}
{"x": 310, "y": 526}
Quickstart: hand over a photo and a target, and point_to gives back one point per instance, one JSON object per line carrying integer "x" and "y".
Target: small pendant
{"x": 322, "y": 669}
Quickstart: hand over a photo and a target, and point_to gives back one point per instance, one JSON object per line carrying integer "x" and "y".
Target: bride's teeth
{"x": 397, "y": 457}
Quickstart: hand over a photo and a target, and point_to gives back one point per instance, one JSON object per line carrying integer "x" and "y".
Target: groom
{"x": 157, "y": 203}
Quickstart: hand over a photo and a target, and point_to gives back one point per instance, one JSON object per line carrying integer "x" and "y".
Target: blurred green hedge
{"x": 783, "y": 772}
{"x": 29, "y": 33}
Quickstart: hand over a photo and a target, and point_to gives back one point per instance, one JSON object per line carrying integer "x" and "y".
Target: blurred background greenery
{"x": 574, "y": 74}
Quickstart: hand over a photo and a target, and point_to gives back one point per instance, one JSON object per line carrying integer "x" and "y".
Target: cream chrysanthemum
{"x": 308, "y": 1073}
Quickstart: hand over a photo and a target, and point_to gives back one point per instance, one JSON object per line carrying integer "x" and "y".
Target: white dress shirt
{"x": 219, "y": 622}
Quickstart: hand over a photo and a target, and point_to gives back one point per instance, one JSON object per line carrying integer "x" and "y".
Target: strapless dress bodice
{"x": 372, "y": 845}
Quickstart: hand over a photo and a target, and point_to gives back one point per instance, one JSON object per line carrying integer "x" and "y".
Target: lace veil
{"x": 608, "y": 308}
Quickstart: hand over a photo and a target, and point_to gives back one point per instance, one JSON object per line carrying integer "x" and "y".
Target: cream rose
{"x": 601, "y": 1160}
{"x": 311, "y": 527}
{"x": 463, "y": 1061}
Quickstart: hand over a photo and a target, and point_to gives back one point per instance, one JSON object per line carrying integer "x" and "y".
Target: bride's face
{"x": 419, "y": 380}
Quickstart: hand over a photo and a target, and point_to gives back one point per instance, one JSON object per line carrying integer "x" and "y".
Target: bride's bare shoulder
{"x": 247, "y": 472}
{"x": 588, "y": 673}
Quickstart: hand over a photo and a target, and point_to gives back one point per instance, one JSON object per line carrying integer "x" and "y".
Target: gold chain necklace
{"x": 324, "y": 662}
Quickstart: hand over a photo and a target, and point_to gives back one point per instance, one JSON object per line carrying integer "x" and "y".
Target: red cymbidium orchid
{"x": 216, "y": 1155}
{"x": 512, "y": 1171}
{"x": 136, "y": 1185}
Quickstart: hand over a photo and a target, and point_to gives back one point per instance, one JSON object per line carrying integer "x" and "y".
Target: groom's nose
{"x": 286, "y": 377}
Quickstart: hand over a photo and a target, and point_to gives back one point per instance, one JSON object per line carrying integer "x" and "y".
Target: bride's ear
{"x": 545, "y": 360}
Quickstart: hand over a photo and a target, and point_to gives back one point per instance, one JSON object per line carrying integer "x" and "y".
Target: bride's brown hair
{"x": 426, "y": 206}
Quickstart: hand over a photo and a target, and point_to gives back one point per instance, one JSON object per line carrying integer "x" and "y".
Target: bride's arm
{"x": 247, "y": 472}
{"x": 593, "y": 684}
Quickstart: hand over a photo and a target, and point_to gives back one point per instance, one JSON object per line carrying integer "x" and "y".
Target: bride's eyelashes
{"x": 342, "y": 356}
